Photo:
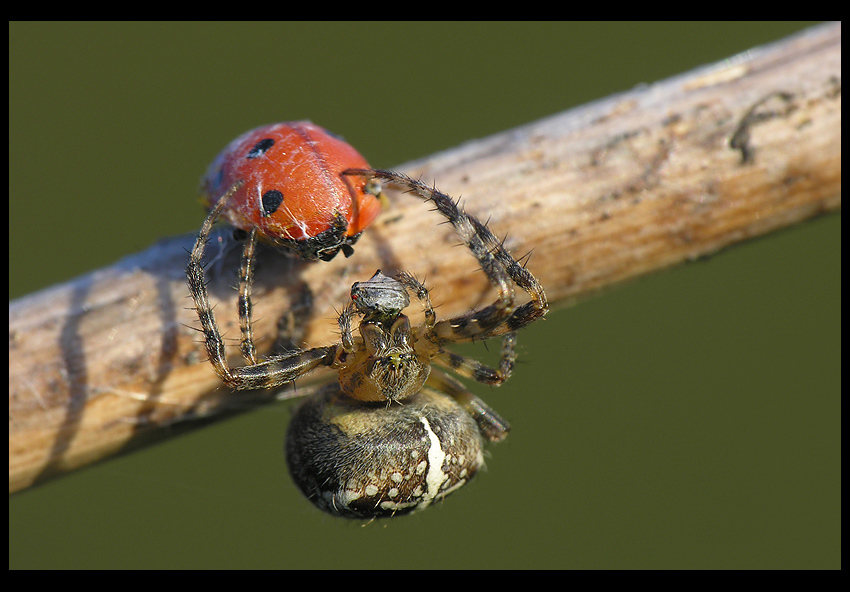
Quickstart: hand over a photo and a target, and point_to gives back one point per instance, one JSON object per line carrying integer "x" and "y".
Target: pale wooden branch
{"x": 606, "y": 192}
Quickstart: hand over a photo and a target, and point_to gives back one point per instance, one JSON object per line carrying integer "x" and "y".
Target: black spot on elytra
{"x": 271, "y": 202}
{"x": 260, "y": 148}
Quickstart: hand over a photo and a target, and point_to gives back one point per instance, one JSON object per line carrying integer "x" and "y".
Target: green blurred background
{"x": 687, "y": 420}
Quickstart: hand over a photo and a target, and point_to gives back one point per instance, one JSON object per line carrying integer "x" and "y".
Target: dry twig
{"x": 628, "y": 185}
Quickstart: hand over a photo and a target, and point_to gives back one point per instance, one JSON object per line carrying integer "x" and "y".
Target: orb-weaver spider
{"x": 391, "y": 435}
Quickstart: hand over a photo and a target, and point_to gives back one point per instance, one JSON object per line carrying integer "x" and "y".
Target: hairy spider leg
{"x": 476, "y": 370}
{"x": 244, "y": 305}
{"x": 490, "y": 424}
{"x": 271, "y": 372}
{"x": 502, "y": 316}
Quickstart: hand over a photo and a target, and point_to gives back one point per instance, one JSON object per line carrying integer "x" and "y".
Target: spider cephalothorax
{"x": 388, "y": 363}
{"x": 392, "y": 434}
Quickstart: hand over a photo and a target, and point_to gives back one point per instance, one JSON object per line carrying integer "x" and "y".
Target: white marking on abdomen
{"x": 435, "y": 477}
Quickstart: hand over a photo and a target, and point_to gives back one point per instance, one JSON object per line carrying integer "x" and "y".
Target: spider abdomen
{"x": 367, "y": 460}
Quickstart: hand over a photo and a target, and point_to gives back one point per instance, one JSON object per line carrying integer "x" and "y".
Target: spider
{"x": 392, "y": 434}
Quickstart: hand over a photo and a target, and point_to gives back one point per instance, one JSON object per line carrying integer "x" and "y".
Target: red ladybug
{"x": 292, "y": 190}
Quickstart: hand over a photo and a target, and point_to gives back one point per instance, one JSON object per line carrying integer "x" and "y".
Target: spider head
{"x": 380, "y": 298}
{"x": 387, "y": 366}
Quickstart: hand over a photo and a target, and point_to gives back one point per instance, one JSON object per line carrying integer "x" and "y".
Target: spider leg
{"x": 478, "y": 371}
{"x": 246, "y": 279}
{"x": 490, "y": 424}
{"x": 530, "y": 311}
{"x": 345, "y": 327}
{"x": 275, "y": 370}
{"x": 501, "y": 269}
{"x": 421, "y": 292}
{"x": 291, "y": 326}
{"x": 198, "y": 288}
